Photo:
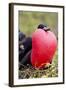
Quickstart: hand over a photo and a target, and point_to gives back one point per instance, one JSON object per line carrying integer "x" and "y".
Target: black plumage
{"x": 43, "y": 27}
{"x": 21, "y": 36}
{"x": 25, "y": 46}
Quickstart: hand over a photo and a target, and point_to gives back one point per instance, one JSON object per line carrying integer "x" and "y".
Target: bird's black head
{"x": 43, "y": 27}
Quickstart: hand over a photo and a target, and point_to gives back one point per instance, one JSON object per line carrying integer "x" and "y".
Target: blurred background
{"x": 28, "y": 21}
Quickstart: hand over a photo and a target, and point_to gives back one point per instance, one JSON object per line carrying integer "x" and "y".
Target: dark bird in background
{"x": 25, "y": 46}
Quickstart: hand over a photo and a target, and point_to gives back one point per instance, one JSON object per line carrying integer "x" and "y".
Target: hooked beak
{"x": 46, "y": 29}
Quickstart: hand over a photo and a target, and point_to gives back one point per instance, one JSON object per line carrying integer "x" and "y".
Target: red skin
{"x": 44, "y": 44}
